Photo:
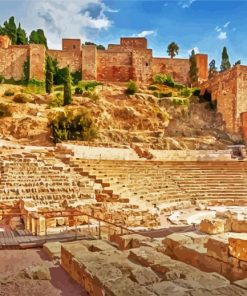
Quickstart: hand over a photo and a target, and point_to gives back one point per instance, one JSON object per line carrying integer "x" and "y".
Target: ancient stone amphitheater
{"x": 129, "y": 221}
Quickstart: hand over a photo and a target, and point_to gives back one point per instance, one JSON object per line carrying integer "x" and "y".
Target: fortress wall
{"x": 202, "y": 65}
{"x": 142, "y": 65}
{"x": 89, "y": 62}
{"x": 134, "y": 42}
{"x": 37, "y": 61}
{"x": 12, "y": 60}
{"x": 67, "y": 57}
{"x": 223, "y": 88}
{"x": 177, "y": 68}
{"x": 114, "y": 66}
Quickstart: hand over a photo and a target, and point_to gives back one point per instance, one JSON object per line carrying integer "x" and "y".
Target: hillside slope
{"x": 163, "y": 123}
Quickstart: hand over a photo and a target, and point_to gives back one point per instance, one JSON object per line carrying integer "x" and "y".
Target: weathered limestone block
{"x": 241, "y": 283}
{"x": 52, "y": 250}
{"x": 214, "y": 226}
{"x": 218, "y": 248}
{"x": 129, "y": 241}
{"x": 60, "y": 221}
{"x": 239, "y": 225}
{"x": 16, "y": 223}
{"x": 144, "y": 276}
{"x": 167, "y": 288}
{"x": 97, "y": 245}
{"x": 238, "y": 247}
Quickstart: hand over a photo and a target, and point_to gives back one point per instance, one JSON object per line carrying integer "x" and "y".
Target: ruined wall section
{"x": 134, "y": 42}
{"x": 37, "y": 56}
{"x": 114, "y": 66}
{"x": 67, "y": 57}
{"x": 224, "y": 89}
{"x": 12, "y": 61}
{"x": 142, "y": 65}
{"x": 242, "y": 99}
{"x": 177, "y": 68}
{"x": 202, "y": 65}
{"x": 89, "y": 62}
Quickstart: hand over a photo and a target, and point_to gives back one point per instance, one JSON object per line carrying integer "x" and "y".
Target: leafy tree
{"x": 98, "y": 46}
{"x": 172, "y": 49}
{"x": 225, "y": 63}
{"x": 21, "y": 36}
{"x": 9, "y": 29}
{"x": 212, "y": 69}
{"x": 67, "y": 87}
{"x": 193, "y": 72}
{"x": 49, "y": 75}
{"x": 237, "y": 63}
{"x": 38, "y": 37}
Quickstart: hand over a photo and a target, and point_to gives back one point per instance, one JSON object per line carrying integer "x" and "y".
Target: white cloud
{"x": 222, "y": 36}
{"x": 186, "y": 3}
{"x": 196, "y": 49}
{"x": 145, "y": 33}
{"x": 226, "y": 24}
{"x": 73, "y": 19}
{"x": 218, "y": 29}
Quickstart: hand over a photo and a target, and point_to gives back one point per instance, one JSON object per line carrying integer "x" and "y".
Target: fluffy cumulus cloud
{"x": 145, "y": 33}
{"x": 186, "y": 3}
{"x": 69, "y": 19}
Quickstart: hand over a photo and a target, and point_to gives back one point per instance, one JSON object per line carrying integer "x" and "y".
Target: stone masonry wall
{"x": 178, "y": 68}
{"x": 89, "y": 62}
{"x": 114, "y": 66}
{"x": 12, "y": 60}
{"x": 37, "y": 62}
{"x": 67, "y": 57}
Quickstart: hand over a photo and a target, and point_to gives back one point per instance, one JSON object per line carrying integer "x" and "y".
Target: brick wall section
{"x": 114, "y": 66}
{"x": 71, "y": 44}
{"x": 37, "y": 61}
{"x": 73, "y": 58}
{"x": 89, "y": 62}
{"x": 178, "y": 68}
{"x": 202, "y": 65}
{"x": 12, "y": 61}
{"x": 142, "y": 65}
{"x": 229, "y": 89}
{"x": 135, "y": 43}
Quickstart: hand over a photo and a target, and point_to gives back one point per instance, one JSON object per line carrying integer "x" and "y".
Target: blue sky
{"x": 206, "y": 26}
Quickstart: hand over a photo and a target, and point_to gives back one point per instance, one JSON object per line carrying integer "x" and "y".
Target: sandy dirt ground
{"x": 13, "y": 261}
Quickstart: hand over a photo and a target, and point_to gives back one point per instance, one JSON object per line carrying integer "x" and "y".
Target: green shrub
{"x": 91, "y": 85}
{"x": 76, "y": 77}
{"x": 78, "y": 91}
{"x": 22, "y": 98}
{"x": 49, "y": 75}
{"x": 169, "y": 81}
{"x": 73, "y": 125}
{"x": 179, "y": 86}
{"x": 159, "y": 78}
{"x": 8, "y": 93}
{"x": 186, "y": 92}
{"x": 152, "y": 87}
{"x": 132, "y": 88}
{"x": 56, "y": 100}
{"x": 162, "y": 94}
{"x": 5, "y": 110}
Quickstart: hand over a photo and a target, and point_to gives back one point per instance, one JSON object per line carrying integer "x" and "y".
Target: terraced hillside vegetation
{"x": 157, "y": 115}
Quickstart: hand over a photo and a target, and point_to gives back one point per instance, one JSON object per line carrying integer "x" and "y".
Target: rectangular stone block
{"x": 214, "y": 226}
{"x": 238, "y": 247}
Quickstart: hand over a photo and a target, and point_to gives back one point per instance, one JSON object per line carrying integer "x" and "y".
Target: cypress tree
{"x": 193, "y": 72}
{"x": 67, "y": 87}
{"x": 225, "y": 63}
{"x": 49, "y": 75}
{"x": 10, "y": 29}
{"x": 21, "y": 36}
{"x": 38, "y": 37}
